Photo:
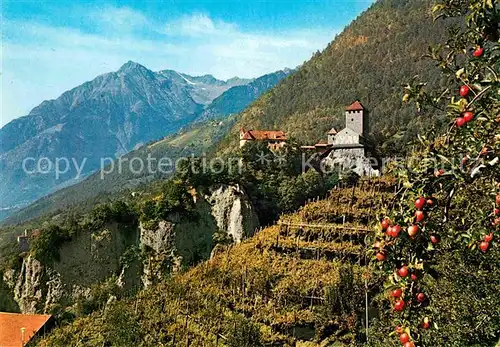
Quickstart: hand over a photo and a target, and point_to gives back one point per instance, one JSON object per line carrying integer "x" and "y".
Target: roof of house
{"x": 12, "y": 323}
{"x": 355, "y": 106}
{"x": 264, "y": 135}
{"x": 332, "y": 131}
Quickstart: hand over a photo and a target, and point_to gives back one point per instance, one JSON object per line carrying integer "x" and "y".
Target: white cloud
{"x": 198, "y": 24}
{"x": 121, "y": 18}
{"x": 40, "y": 62}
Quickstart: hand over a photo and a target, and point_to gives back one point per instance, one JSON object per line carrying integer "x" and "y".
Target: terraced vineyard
{"x": 296, "y": 283}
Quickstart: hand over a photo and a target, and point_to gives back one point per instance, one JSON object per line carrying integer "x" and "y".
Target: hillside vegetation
{"x": 369, "y": 61}
{"x": 300, "y": 281}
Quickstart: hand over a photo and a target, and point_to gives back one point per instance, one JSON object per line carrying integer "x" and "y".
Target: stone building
{"x": 24, "y": 240}
{"x": 347, "y": 148}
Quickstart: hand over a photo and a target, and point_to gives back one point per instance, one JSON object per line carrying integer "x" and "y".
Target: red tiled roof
{"x": 264, "y": 135}
{"x": 355, "y": 106}
{"x": 11, "y": 324}
{"x": 247, "y": 136}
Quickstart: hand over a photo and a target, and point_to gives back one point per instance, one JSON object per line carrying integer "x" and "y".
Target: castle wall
{"x": 346, "y": 136}
{"x": 331, "y": 139}
{"x": 348, "y": 152}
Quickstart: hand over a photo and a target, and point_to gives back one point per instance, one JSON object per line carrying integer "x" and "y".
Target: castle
{"x": 346, "y": 148}
{"x": 350, "y": 141}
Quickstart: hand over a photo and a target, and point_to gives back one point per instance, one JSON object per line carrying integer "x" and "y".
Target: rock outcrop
{"x": 88, "y": 259}
{"x": 130, "y": 256}
{"x": 233, "y": 211}
{"x": 158, "y": 245}
{"x": 28, "y": 285}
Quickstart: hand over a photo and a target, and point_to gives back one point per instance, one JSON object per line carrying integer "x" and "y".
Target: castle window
{"x": 352, "y": 119}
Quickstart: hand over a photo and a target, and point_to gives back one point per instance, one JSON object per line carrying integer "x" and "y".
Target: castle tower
{"x": 355, "y": 118}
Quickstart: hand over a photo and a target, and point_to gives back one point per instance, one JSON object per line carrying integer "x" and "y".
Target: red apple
{"x": 409, "y": 344}
{"x": 460, "y": 121}
{"x": 488, "y": 238}
{"x": 478, "y": 52}
{"x": 435, "y": 239}
{"x": 395, "y": 230}
{"x": 385, "y": 223}
{"x": 419, "y": 216}
{"x": 380, "y": 256}
{"x": 420, "y": 297}
{"x": 413, "y": 230}
{"x": 404, "y": 338}
{"x": 464, "y": 91}
{"x": 439, "y": 172}
{"x": 430, "y": 201}
{"x": 396, "y": 293}
{"x": 426, "y": 324}
{"x": 419, "y": 203}
{"x": 497, "y": 199}
{"x": 399, "y": 305}
{"x": 497, "y": 211}
{"x": 388, "y": 232}
{"x": 468, "y": 116}
{"x": 399, "y": 329}
{"x": 484, "y": 246}
{"x": 414, "y": 277}
{"x": 403, "y": 271}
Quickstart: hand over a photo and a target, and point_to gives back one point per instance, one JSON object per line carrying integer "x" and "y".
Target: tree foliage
{"x": 448, "y": 206}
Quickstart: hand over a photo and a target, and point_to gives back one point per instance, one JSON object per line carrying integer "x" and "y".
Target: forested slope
{"x": 370, "y": 60}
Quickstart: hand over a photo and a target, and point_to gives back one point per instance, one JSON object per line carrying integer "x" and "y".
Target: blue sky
{"x": 52, "y": 46}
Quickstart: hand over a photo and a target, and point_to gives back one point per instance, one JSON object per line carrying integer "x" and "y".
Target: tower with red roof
{"x": 355, "y": 118}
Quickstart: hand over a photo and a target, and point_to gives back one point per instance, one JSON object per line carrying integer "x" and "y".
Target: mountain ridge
{"x": 106, "y": 117}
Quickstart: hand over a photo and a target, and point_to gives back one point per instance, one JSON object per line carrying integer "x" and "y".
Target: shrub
{"x": 242, "y": 333}
{"x": 45, "y": 247}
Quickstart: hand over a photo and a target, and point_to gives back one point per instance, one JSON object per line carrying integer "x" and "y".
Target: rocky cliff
{"x": 183, "y": 242}
{"x": 233, "y": 211}
{"x": 87, "y": 260}
{"x": 130, "y": 257}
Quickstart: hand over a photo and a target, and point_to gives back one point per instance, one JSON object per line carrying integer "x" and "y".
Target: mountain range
{"x": 108, "y": 117}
